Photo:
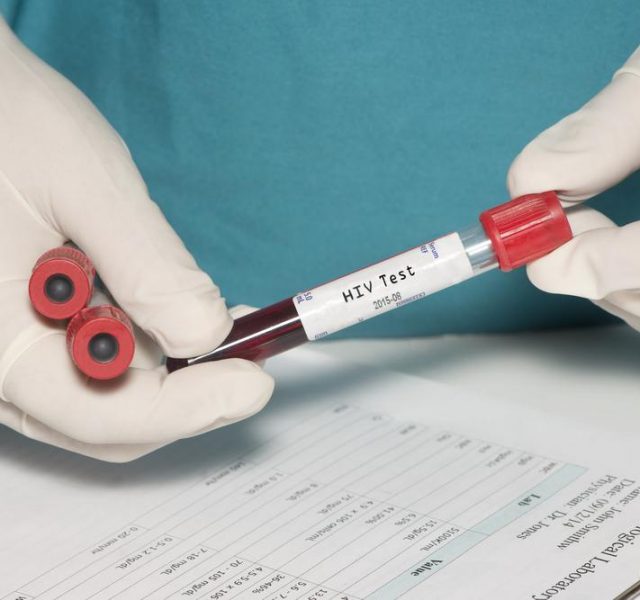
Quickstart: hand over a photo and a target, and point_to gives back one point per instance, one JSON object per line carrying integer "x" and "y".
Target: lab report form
{"x": 351, "y": 484}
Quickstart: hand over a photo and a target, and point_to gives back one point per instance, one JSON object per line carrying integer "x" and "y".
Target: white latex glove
{"x": 581, "y": 156}
{"x": 65, "y": 174}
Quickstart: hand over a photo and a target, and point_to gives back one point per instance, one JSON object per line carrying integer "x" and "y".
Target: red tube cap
{"x": 100, "y": 341}
{"x": 526, "y": 228}
{"x": 61, "y": 283}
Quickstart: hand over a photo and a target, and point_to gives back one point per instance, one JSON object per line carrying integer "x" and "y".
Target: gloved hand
{"x": 65, "y": 174}
{"x": 581, "y": 156}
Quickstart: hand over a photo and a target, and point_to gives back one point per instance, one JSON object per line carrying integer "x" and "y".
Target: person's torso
{"x": 291, "y": 142}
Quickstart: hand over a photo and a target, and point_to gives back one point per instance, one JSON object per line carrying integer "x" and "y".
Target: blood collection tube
{"x": 506, "y": 236}
{"x": 99, "y": 338}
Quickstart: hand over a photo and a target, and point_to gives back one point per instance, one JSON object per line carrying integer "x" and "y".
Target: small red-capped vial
{"x": 100, "y": 341}
{"x": 507, "y": 236}
{"x": 61, "y": 283}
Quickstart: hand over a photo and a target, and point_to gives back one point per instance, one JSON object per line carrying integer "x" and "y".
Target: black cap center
{"x": 58, "y": 288}
{"x": 103, "y": 347}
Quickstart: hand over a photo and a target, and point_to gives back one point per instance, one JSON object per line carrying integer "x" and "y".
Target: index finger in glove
{"x": 145, "y": 265}
{"x": 591, "y": 149}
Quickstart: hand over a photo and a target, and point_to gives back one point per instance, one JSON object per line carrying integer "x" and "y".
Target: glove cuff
{"x": 632, "y": 66}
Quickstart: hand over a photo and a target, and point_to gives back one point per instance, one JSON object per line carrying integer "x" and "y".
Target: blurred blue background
{"x": 291, "y": 142}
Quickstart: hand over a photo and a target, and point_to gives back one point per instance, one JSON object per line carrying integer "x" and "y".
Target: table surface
{"x": 590, "y": 374}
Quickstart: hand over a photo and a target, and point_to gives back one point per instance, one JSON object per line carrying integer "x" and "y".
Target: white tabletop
{"x": 590, "y": 375}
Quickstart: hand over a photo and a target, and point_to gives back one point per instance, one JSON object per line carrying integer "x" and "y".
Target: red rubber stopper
{"x": 526, "y": 228}
{"x": 67, "y": 272}
{"x": 100, "y": 341}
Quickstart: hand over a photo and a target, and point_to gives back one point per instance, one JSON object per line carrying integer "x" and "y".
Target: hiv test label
{"x": 382, "y": 287}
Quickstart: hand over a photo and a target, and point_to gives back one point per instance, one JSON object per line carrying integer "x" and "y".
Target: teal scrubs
{"x": 290, "y": 142}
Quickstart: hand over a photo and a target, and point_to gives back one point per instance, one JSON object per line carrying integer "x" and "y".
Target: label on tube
{"x": 382, "y": 287}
